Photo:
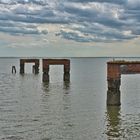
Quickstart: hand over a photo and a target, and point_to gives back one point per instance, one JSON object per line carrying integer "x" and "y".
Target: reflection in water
{"x": 58, "y": 118}
{"x": 66, "y": 85}
{"x": 113, "y": 122}
{"x": 67, "y": 115}
{"x": 45, "y": 86}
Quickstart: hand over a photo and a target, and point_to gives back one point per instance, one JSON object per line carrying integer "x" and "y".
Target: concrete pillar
{"x": 36, "y": 69}
{"x": 47, "y": 62}
{"x": 113, "y": 79}
{"x": 45, "y": 77}
{"x": 113, "y": 93}
{"x": 114, "y": 71}
{"x": 21, "y": 68}
{"x": 66, "y": 76}
{"x": 33, "y": 69}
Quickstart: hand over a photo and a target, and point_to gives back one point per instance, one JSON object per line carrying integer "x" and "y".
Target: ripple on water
{"x": 12, "y": 138}
{"x": 31, "y": 110}
{"x": 131, "y": 126}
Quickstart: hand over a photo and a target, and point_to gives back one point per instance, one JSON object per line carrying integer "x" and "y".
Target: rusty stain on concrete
{"x": 35, "y": 67}
{"x": 114, "y": 71}
{"x": 47, "y": 62}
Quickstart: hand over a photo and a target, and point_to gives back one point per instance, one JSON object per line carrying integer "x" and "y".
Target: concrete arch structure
{"x": 47, "y": 62}
{"x": 35, "y": 66}
{"x": 114, "y": 71}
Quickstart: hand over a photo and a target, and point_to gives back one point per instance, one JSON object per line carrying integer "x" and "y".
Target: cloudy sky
{"x": 64, "y": 28}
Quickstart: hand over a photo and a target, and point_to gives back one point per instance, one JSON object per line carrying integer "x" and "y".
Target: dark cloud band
{"x": 96, "y": 20}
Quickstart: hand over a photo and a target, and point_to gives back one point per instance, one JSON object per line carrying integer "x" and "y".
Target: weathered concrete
{"x": 114, "y": 71}
{"x": 35, "y": 67}
{"x": 113, "y": 121}
{"x": 113, "y": 93}
{"x": 45, "y": 77}
{"x": 47, "y": 62}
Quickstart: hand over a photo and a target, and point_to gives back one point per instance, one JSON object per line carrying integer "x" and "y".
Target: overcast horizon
{"x": 76, "y": 28}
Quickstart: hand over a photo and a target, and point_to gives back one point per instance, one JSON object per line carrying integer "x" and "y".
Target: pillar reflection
{"x": 57, "y": 110}
{"x": 113, "y": 122}
{"x": 66, "y": 85}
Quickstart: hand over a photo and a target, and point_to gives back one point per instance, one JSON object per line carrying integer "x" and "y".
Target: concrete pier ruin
{"x": 35, "y": 66}
{"x": 48, "y": 62}
{"x": 114, "y": 71}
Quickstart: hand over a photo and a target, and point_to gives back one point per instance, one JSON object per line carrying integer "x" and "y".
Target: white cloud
{"x": 133, "y": 4}
{"x": 82, "y": 21}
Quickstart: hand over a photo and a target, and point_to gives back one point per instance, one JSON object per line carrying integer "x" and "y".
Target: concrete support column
{"x": 113, "y": 93}
{"x": 47, "y": 62}
{"x": 113, "y": 79}
{"x": 33, "y": 69}
{"x": 36, "y": 68}
{"x": 66, "y": 76}
{"x": 21, "y": 68}
{"x": 114, "y": 71}
{"x": 45, "y": 77}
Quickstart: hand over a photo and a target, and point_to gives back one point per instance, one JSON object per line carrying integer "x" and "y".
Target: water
{"x": 32, "y": 110}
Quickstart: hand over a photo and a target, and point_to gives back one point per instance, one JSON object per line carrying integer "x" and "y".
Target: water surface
{"x": 33, "y": 110}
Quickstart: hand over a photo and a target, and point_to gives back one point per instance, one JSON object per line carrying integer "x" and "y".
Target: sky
{"x": 70, "y": 28}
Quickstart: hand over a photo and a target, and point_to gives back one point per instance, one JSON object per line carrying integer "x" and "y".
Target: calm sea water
{"x": 33, "y": 110}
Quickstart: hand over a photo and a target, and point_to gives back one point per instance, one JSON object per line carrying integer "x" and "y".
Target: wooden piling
{"x": 13, "y": 69}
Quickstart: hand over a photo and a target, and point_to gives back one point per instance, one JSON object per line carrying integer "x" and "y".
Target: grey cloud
{"x": 85, "y": 13}
{"x": 20, "y": 28}
{"x": 119, "y": 27}
{"x": 133, "y": 4}
{"x": 92, "y": 15}
{"x": 44, "y": 11}
{"x": 74, "y": 36}
{"x": 102, "y": 1}
{"x": 79, "y": 12}
{"x": 13, "y": 2}
{"x": 33, "y": 19}
{"x": 94, "y": 32}
{"x": 6, "y": 24}
{"x": 26, "y": 14}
